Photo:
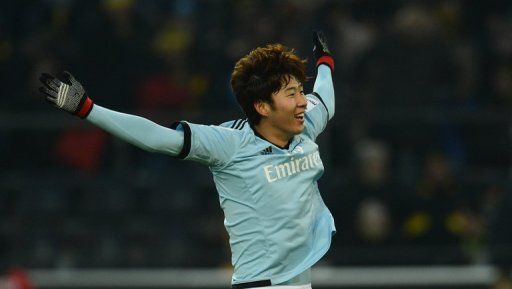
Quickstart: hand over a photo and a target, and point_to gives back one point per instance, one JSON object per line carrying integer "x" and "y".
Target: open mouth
{"x": 299, "y": 116}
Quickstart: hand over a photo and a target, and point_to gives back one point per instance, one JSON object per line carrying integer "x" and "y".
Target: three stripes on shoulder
{"x": 239, "y": 123}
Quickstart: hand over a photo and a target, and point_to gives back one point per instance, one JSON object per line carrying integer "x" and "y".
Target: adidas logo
{"x": 266, "y": 151}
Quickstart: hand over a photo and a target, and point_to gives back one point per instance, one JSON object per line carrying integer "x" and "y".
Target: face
{"x": 286, "y": 113}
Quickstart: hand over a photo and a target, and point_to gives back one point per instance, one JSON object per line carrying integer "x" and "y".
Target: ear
{"x": 262, "y": 108}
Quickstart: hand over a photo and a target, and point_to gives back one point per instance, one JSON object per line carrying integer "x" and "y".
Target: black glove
{"x": 321, "y": 51}
{"x": 67, "y": 94}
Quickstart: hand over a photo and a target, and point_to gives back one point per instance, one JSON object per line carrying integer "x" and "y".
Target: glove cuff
{"x": 327, "y": 60}
{"x": 86, "y": 108}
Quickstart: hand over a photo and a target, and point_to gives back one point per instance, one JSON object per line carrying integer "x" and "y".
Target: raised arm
{"x": 323, "y": 88}
{"x": 320, "y": 107}
{"x": 70, "y": 96}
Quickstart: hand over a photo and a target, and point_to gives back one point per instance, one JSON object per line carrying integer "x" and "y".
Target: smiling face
{"x": 261, "y": 74}
{"x": 284, "y": 117}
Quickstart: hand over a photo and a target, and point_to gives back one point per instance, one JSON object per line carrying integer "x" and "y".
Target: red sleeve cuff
{"x": 326, "y": 59}
{"x": 86, "y": 108}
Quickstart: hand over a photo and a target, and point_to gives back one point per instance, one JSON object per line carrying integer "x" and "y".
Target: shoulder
{"x": 233, "y": 126}
{"x": 214, "y": 145}
{"x": 241, "y": 130}
{"x": 233, "y": 130}
{"x": 237, "y": 124}
{"x": 238, "y": 127}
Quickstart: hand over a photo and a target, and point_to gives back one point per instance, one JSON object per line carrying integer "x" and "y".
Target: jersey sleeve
{"x": 138, "y": 131}
{"x": 320, "y": 107}
{"x": 316, "y": 116}
{"x": 212, "y": 145}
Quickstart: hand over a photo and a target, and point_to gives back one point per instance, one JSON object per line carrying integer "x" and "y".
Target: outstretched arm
{"x": 138, "y": 131}
{"x": 70, "y": 96}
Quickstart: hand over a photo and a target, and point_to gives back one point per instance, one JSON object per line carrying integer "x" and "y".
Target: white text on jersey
{"x": 294, "y": 166}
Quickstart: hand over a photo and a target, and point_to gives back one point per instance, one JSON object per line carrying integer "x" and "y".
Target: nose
{"x": 301, "y": 100}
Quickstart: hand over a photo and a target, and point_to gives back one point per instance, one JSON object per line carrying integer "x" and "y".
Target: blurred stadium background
{"x": 417, "y": 158}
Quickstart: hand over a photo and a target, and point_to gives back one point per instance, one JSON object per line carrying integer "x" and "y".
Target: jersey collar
{"x": 291, "y": 142}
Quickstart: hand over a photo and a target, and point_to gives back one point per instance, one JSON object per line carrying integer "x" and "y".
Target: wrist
{"x": 85, "y": 107}
{"x": 327, "y": 60}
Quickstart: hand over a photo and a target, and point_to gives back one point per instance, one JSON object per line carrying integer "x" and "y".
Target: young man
{"x": 265, "y": 167}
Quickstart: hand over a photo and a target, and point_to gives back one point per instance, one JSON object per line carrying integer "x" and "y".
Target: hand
{"x": 67, "y": 94}
{"x": 321, "y": 51}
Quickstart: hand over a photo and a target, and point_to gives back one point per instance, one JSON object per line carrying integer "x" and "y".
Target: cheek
{"x": 284, "y": 110}
{"x": 286, "y": 113}
{"x": 288, "y": 107}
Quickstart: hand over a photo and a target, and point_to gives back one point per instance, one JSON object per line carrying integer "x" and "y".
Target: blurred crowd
{"x": 417, "y": 158}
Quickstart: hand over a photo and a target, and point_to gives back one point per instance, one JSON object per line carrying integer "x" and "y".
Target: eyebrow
{"x": 294, "y": 88}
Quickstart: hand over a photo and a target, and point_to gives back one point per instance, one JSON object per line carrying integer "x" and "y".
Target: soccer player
{"x": 265, "y": 167}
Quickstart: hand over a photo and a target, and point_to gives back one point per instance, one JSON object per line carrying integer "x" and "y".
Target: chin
{"x": 298, "y": 130}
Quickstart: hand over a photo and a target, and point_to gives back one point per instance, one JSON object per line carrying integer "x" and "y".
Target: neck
{"x": 272, "y": 135}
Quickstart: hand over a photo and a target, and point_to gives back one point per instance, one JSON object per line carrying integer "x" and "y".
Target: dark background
{"x": 417, "y": 157}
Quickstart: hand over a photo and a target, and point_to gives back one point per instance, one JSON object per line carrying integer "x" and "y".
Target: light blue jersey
{"x": 277, "y": 222}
